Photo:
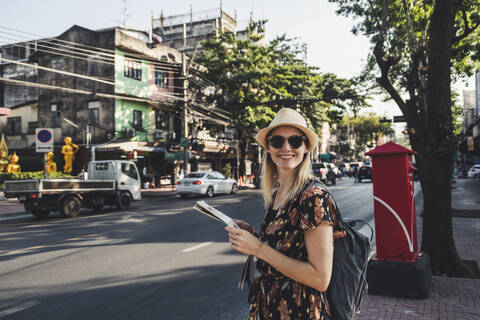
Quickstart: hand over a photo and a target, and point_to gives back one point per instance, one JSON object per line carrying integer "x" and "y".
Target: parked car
{"x": 206, "y": 183}
{"x": 345, "y": 169}
{"x": 365, "y": 172}
{"x": 474, "y": 171}
{"x": 325, "y": 172}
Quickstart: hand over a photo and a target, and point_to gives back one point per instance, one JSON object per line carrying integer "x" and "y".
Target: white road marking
{"x": 198, "y": 246}
{"x": 19, "y": 308}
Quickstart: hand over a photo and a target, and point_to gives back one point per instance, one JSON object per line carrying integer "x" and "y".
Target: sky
{"x": 331, "y": 45}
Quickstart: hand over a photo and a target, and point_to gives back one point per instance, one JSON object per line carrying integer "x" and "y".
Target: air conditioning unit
{"x": 130, "y": 132}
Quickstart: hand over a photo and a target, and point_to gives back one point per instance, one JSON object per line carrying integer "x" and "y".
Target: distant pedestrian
{"x": 295, "y": 243}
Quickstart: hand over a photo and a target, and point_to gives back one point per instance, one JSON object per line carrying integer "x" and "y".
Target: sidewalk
{"x": 450, "y": 298}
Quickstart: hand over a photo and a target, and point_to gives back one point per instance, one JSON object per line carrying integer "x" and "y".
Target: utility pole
{"x": 184, "y": 141}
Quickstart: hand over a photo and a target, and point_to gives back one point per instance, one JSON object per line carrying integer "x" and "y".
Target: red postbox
{"x": 394, "y": 203}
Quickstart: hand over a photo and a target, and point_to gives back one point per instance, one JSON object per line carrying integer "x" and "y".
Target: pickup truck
{"x": 110, "y": 182}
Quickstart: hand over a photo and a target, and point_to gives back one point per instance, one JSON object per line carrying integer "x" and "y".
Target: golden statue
{"x": 3, "y": 161}
{"x": 3, "y": 155}
{"x": 13, "y": 166}
{"x": 51, "y": 166}
{"x": 69, "y": 150}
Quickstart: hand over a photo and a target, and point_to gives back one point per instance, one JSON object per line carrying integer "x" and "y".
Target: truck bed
{"x": 58, "y": 185}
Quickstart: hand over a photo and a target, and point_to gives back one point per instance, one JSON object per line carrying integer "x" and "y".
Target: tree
{"x": 417, "y": 47}
{"x": 366, "y": 130}
{"x": 254, "y": 80}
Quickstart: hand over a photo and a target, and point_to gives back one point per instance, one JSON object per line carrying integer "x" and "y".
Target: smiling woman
{"x": 295, "y": 244}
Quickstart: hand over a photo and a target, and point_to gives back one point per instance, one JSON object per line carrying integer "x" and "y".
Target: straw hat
{"x": 288, "y": 117}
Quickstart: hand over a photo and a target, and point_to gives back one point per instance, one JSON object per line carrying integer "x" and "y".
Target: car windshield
{"x": 195, "y": 175}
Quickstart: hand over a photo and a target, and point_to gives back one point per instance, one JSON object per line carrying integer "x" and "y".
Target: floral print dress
{"x": 274, "y": 295}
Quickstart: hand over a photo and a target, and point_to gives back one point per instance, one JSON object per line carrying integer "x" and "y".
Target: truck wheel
{"x": 124, "y": 200}
{"x": 70, "y": 206}
{"x": 42, "y": 214}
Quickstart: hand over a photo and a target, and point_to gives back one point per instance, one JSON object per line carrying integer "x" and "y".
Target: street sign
{"x": 385, "y": 120}
{"x": 184, "y": 142}
{"x": 399, "y": 119}
{"x": 44, "y": 140}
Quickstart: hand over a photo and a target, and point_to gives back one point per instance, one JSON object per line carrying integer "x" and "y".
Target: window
{"x": 101, "y": 166}
{"x": 132, "y": 69}
{"x": 14, "y": 125}
{"x": 93, "y": 65}
{"x": 57, "y": 115}
{"x": 220, "y": 176}
{"x": 211, "y": 176}
{"x": 137, "y": 119}
{"x": 162, "y": 78}
{"x": 94, "y": 112}
{"x": 129, "y": 170}
{"x": 162, "y": 120}
{"x": 57, "y": 64}
{"x": 32, "y": 125}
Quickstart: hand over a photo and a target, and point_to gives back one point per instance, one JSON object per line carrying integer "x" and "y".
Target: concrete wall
{"x": 14, "y": 95}
{"x": 27, "y": 113}
{"x": 75, "y": 106}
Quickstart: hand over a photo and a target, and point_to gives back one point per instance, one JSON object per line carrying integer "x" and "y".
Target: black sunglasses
{"x": 278, "y": 141}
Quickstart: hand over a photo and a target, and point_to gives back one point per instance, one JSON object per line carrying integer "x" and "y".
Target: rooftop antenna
{"x": 191, "y": 14}
{"x": 150, "y": 40}
{"x": 124, "y": 14}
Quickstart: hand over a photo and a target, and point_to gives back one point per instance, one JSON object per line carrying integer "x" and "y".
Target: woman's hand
{"x": 245, "y": 226}
{"x": 243, "y": 241}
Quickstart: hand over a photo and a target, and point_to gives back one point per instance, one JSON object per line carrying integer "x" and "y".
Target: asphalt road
{"x": 158, "y": 260}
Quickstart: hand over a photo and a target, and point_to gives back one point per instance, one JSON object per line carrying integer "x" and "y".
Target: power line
{"x": 84, "y": 92}
{"x": 76, "y": 75}
{"x": 89, "y": 58}
{"x": 76, "y": 46}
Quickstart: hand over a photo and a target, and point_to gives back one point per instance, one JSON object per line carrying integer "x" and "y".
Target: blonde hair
{"x": 269, "y": 176}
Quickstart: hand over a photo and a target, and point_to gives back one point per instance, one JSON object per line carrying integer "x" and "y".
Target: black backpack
{"x": 348, "y": 283}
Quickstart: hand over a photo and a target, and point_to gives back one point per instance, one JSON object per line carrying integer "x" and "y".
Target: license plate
{"x": 187, "y": 183}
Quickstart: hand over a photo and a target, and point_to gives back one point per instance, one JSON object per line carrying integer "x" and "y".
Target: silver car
{"x": 206, "y": 183}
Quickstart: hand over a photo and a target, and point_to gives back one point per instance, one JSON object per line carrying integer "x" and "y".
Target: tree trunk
{"x": 436, "y": 147}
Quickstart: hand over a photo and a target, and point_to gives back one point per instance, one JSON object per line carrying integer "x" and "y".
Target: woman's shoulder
{"x": 314, "y": 188}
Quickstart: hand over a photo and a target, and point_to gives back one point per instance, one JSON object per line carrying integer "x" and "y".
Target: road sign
{"x": 44, "y": 140}
{"x": 385, "y": 120}
{"x": 399, "y": 119}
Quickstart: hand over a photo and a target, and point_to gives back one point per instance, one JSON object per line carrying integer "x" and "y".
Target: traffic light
{"x": 405, "y": 132}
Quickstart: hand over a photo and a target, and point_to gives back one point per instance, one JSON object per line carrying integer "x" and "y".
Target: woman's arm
{"x": 315, "y": 273}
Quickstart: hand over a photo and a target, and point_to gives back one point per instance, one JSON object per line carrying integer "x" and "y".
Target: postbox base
{"x": 400, "y": 279}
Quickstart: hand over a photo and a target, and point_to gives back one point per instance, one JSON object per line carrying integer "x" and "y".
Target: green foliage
{"x": 409, "y": 33}
{"x": 32, "y": 175}
{"x": 365, "y": 130}
{"x": 255, "y": 79}
{"x": 227, "y": 170}
{"x": 457, "y": 115}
